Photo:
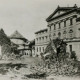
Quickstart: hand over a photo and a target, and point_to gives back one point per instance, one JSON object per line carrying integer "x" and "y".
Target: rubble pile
{"x": 57, "y": 60}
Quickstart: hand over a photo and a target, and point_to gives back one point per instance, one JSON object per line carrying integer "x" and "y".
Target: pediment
{"x": 59, "y": 11}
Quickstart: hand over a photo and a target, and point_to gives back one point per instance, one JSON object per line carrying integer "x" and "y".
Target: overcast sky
{"x": 28, "y": 16}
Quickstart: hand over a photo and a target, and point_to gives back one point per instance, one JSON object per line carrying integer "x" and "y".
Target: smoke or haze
{"x": 28, "y": 16}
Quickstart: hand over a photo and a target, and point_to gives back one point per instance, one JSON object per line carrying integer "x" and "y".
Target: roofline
{"x": 24, "y": 49}
{"x": 41, "y": 31}
{"x": 14, "y": 35}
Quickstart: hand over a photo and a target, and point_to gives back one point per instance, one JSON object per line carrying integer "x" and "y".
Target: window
{"x": 40, "y": 49}
{"x": 43, "y": 38}
{"x": 46, "y": 37}
{"x": 59, "y": 25}
{"x": 59, "y": 34}
{"x": 36, "y": 40}
{"x": 64, "y": 23}
{"x": 70, "y": 46}
{"x": 71, "y": 21}
{"x": 40, "y": 38}
{"x": 43, "y": 49}
{"x": 37, "y": 49}
{"x": 25, "y": 53}
{"x": 64, "y": 32}
{"x": 54, "y": 27}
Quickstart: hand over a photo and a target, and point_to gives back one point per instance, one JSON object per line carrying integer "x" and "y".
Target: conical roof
{"x": 17, "y": 35}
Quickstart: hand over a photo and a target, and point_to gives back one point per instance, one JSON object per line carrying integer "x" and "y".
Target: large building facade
{"x": 64, "y": 23}
{"x": 41, "y": 41}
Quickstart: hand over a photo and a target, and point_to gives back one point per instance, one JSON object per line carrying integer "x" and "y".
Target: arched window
{"x": 59, "y": 35}
{"x": 36, "y": 40}
{"x": 64, "y": 32}
{"x": 70, "y": 31}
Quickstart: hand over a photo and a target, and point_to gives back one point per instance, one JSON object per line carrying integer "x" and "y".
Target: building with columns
{"x": 41, "y": 41}
{"x": 64, "y": 23}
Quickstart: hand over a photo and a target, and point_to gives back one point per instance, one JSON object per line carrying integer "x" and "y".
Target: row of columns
{"x": 67, "y": 20}
{"x": 65, "y": 23}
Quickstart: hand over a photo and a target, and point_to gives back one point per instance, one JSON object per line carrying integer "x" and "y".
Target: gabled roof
{"x": 17, "y": 35}
{"x": 59, "y": 9}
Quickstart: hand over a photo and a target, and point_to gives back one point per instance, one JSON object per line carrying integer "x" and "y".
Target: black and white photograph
{"x": 39, "y": 39}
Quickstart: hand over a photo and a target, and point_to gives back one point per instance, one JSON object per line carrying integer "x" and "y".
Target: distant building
{"x": 41, "y": 41}
{"x": 23, "y": 43}
{"x": 64, "y": 23}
